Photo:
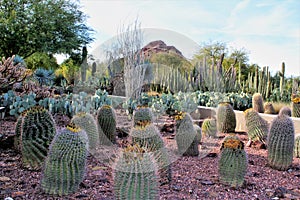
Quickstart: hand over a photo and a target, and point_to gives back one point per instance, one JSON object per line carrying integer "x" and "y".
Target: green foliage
{"x": 257, "y": 127}
{"x": 258, "y": 103}
{"x": 56, "y": 26}
{"x": 281, "y": 143}
{"x": 41, "y": 60}
{"x": 65, "y": 164}
{"x": 226, "y": 120}
{"x": 36, "y": 133}
{"x": 135, "y": 175}
{"x": 233, "y": 162}
{"x": 209, "y": 127}
{"x": 186, "y": 135}
{"x": 86, "y": 122}
{"x": 69, "y": 70}
{"x": 106, "y": 122}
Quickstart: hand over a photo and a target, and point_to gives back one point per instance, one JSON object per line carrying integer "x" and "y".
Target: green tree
{"x": 50, "y": 26}
{"x": 41, "y": 60}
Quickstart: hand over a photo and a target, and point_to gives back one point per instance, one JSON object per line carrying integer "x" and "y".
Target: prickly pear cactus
{"x": 233, "y": 162}
{"x": 226, "y": 120}
{"x": 257, "y": 127}
{"x": 142, "y": 116}
{"x": 297, "y": 146}
{"x": 186, "y": 135}
{"x": 285, "y": 111}
{"x": 36, "y": 132}
{"x": 281, "y": 143}
{"x": 148, "y": 137}
{"x": 258, "y": 103}
{"x": 135, "y": 175}
{"x": 209, "y": 127}
{"x": 295, "y": 106}
{"x": 87, "y": 122}
{"x": 269, "y": 108}
{"x": 65, "y": 165}
{"x": 106, "y": 119}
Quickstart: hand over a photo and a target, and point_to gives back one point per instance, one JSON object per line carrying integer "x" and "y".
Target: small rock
{"x": 290, "y": 170}
{"x": 176, "y": 188}
{"x": 207, "y": 182}
{"x": 4, "y": 179}
{"x": 8, "y": 198}
{"x": 17, "y": 194}
{"x": 212, "y": 155}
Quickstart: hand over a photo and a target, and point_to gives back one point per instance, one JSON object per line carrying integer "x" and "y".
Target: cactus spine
{"x": 209, "y": 127}
{"x": 65, "y": 165}
{"x": 233, "y": 161}
{"x": 258, "y": 103}
{"x": 87, "y": 122}
{"x": 106, "y": 119}
{"x": 37, "y": 131}
{"x": 297, "y": 146}
{"x": 281, "y": 143}
{"x": 226, "y": 120}
{"x": 295, "y": 106}
{"x": 135, "y": 175}
{"x": 186, "y": 136}
{"x": 257, "y": 127}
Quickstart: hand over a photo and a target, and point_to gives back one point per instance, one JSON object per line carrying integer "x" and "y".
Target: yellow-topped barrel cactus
{"x": 295, "y": 105}
{"x": 226, "y": 119}
{"x": 233, "y": 162}
{"x": 142, "y": 116}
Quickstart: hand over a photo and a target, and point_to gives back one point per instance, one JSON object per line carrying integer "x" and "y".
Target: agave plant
{"x": 44, "y": 76}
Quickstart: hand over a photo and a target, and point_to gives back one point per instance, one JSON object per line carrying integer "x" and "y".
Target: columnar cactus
{"x": 87, "y": 122}
{"x": 226, "y": 120}
{"x": 285, "y": 111}
{"x": 281, "y": 143}
{"x": 233, "y": 162}
{"x": 186, "y": 135}
{"x": 295, "y": 106}
{"x": 148, "y": 137}
{"x": 135, "y": 175}
{"x": 65, "y": 165}
{"x": 36, "y": 132}
{"x": 257, "y": 127}
{"x": 142, "y": 116}
{"x": 18, "y": 130}
{"x": 297, "y": 146}
{"x": 106, "y": 119}
{"x": 209, "y": 127}
{"x": 258, "y": 103}
{"x": 269, "y": 108}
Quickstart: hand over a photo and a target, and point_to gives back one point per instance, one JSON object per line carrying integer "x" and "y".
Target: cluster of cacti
{"x": 186, "y": 135}
{"x": 142, "y": 116}
{"x": 65, "y": 164}
{"x": 36, "y": 129}
{"x": 209, "y": 127}
{"x": 135, "y": 175}
{"x": 258, "y": 103}
{"x": 87, "y": 122}
{"x": 269, "y": 108}
{"x": 233, "y": 162}
{"x": 226, "y": 120}
{"x": 285, "y": 111}
{"x": 257, "y": 127}
{"x": 295, "y": 106}
{"x": 281, "y": 142}
{"x": 297, "y": 146}
{"x": 106, "y": 122}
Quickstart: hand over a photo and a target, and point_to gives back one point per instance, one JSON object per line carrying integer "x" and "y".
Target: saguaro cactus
{"x": 226, "y": 120}
{"x": 37, "y": 131}
{"x": 65, "y": 165}
{"x": 233, "y": 162}
{"x": 281, "y": 143}
{"x": 135, "y": 175}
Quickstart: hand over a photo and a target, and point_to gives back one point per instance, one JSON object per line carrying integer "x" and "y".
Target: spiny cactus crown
{"x": 73, "y": 128}
{"x": 232, "y": 142}
{"x": 296, "y": 100}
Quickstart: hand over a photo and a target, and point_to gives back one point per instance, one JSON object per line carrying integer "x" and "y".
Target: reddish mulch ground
{"x": 193, "y": 177}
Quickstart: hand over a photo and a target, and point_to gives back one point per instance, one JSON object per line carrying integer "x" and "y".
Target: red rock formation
{"x": 159, "y": 46}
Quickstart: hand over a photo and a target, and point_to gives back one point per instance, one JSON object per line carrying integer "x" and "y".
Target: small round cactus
{"x": 209, "y": 127}
{"x": 281, "y": 143}
{"x": 226, "y": 120}
{"x": 258, "y": 103}
{"x": 65, "y": 165}
{"x": 285, "y": 111}
{"x": 269, "y": 108}
{"x": 233, "y": 162}
{"x": 142, "y": 116}
{"x": 106, "y": 121}
{"x": 295, "y": 106}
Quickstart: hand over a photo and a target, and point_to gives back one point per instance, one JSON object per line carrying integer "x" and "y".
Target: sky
{"x": 269, "y": 30}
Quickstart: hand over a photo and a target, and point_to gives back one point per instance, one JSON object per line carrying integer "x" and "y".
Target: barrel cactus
{"x": 258, "y": 103}
{"x": 149, "y": 138}
{"x": 142, "y": 116}
{"x": 297, "y": 146}
{"x": 135, "y": 175}
{"x": 281, "y": 143}
{"x": 18, "y": 130}
{"x": 209, "y": 127}
{"x": 233, "y": 162}
{"x": 269, "y": 108}
{"x": 37, "y": 130}
{"x": 285, "y": 111}
{"x": 295, "y": 106}
{"x": 257, "y": 127}
{"x": 65, "y": 165}
{"x": 226, "y": 120}
{"x": 106, "y": 120}
{"x": 87, "y": 122}
{"x": 186, "y": 135}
